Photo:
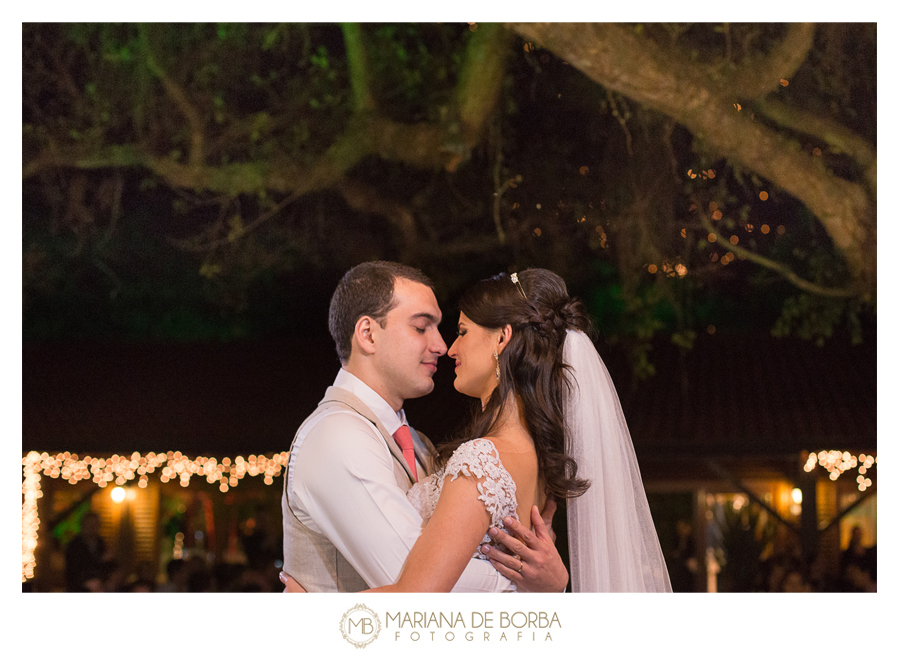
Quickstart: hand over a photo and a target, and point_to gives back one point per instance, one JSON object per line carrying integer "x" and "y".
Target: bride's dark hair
{"x": 531, "y": 367}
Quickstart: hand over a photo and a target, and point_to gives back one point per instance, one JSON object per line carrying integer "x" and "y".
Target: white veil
{"x": 612, "y": 541}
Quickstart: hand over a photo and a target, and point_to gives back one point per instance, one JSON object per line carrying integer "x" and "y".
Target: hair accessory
{"x": 515, "y": 279}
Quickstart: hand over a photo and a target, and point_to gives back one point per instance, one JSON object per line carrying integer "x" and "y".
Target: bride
{"x": 550, "y": 425}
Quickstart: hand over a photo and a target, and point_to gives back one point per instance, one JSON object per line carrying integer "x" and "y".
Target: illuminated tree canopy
{"x": 251, "y": 150}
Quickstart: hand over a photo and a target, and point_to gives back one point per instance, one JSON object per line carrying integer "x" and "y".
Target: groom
{"x": 347, "y": 523}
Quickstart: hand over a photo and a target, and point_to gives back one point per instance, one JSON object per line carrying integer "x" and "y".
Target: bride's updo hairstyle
{"x": 531, "y": 366}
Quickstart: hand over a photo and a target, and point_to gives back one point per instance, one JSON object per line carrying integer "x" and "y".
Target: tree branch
{"x": 181, "y": 100}
{"x": 354, "y": 41}
{"x": 619, "y": 59}
{"x": 839, "y": 138}
{"x": 84, "y": 157}
{"x": 368, "y": 200}
{"x": 195, "y": 245}
{"x": 481, "y": 79}
{"x": 420, "y": 144}
{"x": 780, "y": 268}
{"x": 435, "y": 145}
{"x": 499, "y": 190}
{"x": 762, "y": 75}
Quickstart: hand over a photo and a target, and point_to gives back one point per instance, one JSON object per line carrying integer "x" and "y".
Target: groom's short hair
{"x": 366, "y": 289}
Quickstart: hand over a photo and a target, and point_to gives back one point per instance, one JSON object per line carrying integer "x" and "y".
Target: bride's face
{"x": 473, "y": 351}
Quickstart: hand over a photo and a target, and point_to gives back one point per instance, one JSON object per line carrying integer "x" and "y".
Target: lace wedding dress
{"x": 497, "y": 490}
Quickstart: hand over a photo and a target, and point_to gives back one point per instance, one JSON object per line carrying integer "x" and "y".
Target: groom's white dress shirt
{"x": 343, "y": 487}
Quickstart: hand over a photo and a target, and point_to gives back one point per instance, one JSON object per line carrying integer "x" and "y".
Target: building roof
{"x": 730, "y": 395}
{"x": 755, "y": 394}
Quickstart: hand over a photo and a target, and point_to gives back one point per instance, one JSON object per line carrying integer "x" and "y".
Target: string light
{"x": 31, "y": 491}
{"x": 121, "y": 469}
{"x": 837, "y": 462}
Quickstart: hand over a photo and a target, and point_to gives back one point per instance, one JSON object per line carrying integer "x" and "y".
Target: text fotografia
{"x": 478, "y": 626}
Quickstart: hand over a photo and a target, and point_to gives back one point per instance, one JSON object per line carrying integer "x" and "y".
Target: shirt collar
{"x": 351, "y": 383}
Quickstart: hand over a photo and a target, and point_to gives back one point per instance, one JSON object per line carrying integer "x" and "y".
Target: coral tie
{"x": 404, "y": 440}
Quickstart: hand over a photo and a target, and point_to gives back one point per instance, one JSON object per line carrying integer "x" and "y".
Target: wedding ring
{"x": 521, "y": 566}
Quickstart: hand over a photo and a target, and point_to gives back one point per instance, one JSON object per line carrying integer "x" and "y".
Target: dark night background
{"x": 192, "y": 193}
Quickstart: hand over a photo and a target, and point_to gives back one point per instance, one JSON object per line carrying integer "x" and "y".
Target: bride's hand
{"x": 291, "y": 586}
{"x": 535, "y": 565}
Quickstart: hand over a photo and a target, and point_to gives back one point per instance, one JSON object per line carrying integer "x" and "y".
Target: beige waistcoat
{"x": 309, "y": 557}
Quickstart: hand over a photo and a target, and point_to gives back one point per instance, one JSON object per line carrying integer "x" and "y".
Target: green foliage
{"x": 415, "y": 66}
{"x": 816, "y": 318}
{"x": 634, "y": 321}
{"x": 746, "y": 533}
{"x": 69, "y": 527}
{"x": 320, "y": 58}
{"x": 685, "y": 339}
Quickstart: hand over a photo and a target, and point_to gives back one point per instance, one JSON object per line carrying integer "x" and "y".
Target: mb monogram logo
{"x": 360, "y": 626}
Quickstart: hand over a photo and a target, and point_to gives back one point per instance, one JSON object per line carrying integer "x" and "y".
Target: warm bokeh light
{"x": 797, "y": 496}
{"x": 837, "y": 462}
{"x": 104, "y": 470}
{"x": 763, "y": 196}
{"x": 31, "y": 491}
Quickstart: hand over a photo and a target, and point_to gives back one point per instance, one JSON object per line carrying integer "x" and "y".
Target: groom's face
{"x": 408, "y": 347}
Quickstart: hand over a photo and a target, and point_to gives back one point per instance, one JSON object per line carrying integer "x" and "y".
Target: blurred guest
{"x": 116, "y": 577}
{"x": 683, "y": 566}
{"x": 199, "y": 578}
{"x": 86, "y": 555}
{"x": 176, "y": 577}
{"x": 253, "y": 580}
{"x": 786, "y": 557}
{"x": 795, "y": 581}
{"x": 857, "y": 565}
{"x": 142, "y": 580}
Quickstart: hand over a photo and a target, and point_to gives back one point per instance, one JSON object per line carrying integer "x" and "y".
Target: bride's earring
{"x": 497, "y": 359}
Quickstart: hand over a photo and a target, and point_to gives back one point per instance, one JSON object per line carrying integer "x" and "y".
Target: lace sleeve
{"x": 479, "y": 459}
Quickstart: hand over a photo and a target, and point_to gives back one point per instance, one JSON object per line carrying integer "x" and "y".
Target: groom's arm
{"x": 343, "y": 482}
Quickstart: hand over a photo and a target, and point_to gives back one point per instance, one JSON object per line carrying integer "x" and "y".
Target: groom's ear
{"x": 363, "y": 334}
